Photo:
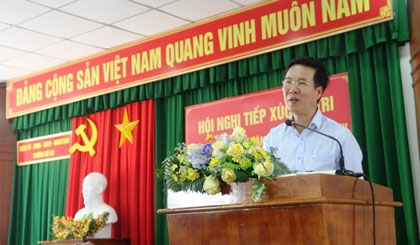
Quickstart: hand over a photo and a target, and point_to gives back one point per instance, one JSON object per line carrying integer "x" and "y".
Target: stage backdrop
{"x": 370, "y": 55}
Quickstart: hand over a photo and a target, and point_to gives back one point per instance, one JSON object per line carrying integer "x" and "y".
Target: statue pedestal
{"x": 89, "y": 241}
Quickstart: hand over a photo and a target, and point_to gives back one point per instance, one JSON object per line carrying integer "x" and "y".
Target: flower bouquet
{"x": 66, "y": 228}
{"x": 227, "y": 158}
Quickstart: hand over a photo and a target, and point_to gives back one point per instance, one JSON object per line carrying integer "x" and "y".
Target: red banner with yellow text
{"x": 258, "y": 112}
{"x": 44, "y": 149}
{"x": 246, "y": 32}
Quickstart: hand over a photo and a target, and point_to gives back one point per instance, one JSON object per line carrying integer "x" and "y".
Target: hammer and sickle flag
{"x": 88, "y": 143}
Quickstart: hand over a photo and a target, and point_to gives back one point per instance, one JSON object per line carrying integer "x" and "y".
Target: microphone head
{"x": 289, "y": 122}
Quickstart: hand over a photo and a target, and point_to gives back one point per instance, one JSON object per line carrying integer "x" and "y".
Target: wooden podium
{"x": 301, "y": 209}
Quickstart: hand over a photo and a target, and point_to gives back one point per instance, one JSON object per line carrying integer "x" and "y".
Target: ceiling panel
{"x": 105, "y": 10}
{"x": 16, "y": 11}
{"x": 8, "y": 71}
{"x": 199, "y": 9}
{"x": 154, "y": 3}
{"x": 68, "y": 50}
{"x": 53, "y": 3}
{"x": 22, "y": 39}
{"x": 3, "y": 26}
{"x": 33, "y": 62}
{"x": 107, "y": 37}
{"x": 60, "y": 24}
{"x": 7, "y": 53}
{"x": 247, "y": 2}
{"x": 146, "y": 24}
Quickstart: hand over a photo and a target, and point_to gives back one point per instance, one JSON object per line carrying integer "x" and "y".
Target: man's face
{"x": 299, "y": 92}
{"x": 91, "y": 189}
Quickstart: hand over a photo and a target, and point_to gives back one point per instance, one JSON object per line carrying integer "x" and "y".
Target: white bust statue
{"x": 94, "y": 185}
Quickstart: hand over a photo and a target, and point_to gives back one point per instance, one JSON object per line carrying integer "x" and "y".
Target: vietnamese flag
{"x": 125, "y": 154}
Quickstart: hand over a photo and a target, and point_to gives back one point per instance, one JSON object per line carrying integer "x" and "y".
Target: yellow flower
{"x": 192, "y": 174}
{"x": 181, "y": 158}
{"x": 254, "y": 140}
{"x": 235, "y": 150}
{"x": 264, "y": 169}
{"x": 65, "y": 228}
{"x": 99, "y": 224}
{"x": 228, "y": 175}
{"x": 236, "y": 159}
{"x": 245, "y": 163}
{"x": 260, "y": 155}
{"x": 214, "y": 162}
{"x": 174, "y": 167}
{"x": 183, "y": 176}
{"x": 263, "y": 153}
{"x": 174, "y": 177}
{"x": 56, "y": 220}
{"x": 211, "y": 185}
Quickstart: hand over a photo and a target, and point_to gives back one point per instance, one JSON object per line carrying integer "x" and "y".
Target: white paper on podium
{"x": 310, "y": 172}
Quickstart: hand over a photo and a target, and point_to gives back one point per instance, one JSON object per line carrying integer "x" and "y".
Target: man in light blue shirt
{"x": 301, "y": 149}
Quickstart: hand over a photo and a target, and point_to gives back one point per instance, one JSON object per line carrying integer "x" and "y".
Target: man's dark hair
{"x": 321, "y": 74}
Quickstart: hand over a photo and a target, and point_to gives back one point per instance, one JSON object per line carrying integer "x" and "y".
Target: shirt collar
{"x": 317, "y": 119}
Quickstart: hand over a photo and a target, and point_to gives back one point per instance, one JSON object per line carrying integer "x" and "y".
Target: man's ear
{"x": 319, "y": 90}
{"x": 100, "y": 189}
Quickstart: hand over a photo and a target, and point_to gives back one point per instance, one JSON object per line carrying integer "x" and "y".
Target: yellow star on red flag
{"x": 126, "y": 128}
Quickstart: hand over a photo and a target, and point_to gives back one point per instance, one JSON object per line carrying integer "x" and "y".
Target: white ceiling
{"x": 39, "y": 34}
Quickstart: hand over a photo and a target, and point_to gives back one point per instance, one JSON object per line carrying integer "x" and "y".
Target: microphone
{"x": 342, "y": 170}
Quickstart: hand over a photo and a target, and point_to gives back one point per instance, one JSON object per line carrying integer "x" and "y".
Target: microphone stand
{"x": 341, "y": 170}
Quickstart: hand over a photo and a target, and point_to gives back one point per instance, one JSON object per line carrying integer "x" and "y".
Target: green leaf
{"x": 257, "y": 190}
{"x": 279, "y": 167}
{"x": 242, "y": 176}
{"x": 231, "y": 165}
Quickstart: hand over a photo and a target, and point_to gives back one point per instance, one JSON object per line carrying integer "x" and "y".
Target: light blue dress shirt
{"x": 310, "y": 151}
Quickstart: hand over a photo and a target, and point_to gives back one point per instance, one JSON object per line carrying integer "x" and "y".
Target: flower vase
{"x": 225, "y": 188}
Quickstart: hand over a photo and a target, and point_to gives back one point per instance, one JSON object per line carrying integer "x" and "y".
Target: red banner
{"x": 258, "y": 112}
{"x": 250, "y": 31}
{"x": 125, "y": 155}
{"x": 44, "y": 149}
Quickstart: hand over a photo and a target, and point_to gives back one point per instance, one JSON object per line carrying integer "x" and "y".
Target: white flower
{"x": 194, "y": 147}
{"x": 219, "y": 148}
{"x": 225, "y": 138}
{"x": 211, "y": 185}
{"x": 238, "y": 134}
{"x": 196, "y": 157}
